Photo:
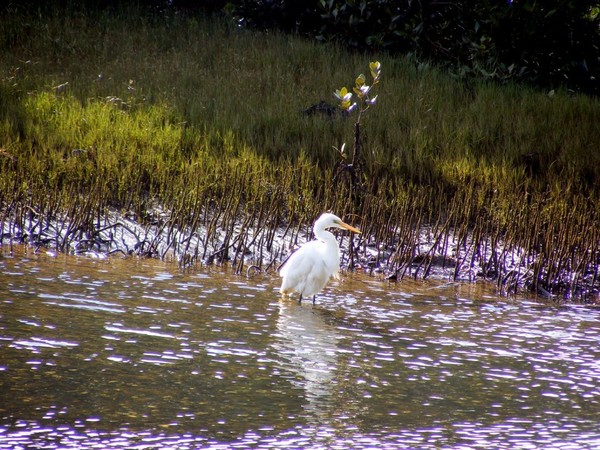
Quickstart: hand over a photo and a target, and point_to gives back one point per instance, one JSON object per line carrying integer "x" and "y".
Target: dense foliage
{"x": 550, "y": 43}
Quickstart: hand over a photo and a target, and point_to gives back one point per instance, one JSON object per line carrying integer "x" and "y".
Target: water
{"x": 129, "y": 353}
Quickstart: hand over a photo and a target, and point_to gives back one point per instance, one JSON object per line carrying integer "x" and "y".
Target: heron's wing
{"x": 302, "y": 258}
{"x": 306, "y": 271}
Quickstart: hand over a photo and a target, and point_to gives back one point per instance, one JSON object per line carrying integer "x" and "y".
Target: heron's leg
{"x": 300, "y": 299}
{"x": 314, "y": 298}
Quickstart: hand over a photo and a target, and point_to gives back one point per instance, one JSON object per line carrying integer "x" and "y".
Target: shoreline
{"x": 250, "y": 250}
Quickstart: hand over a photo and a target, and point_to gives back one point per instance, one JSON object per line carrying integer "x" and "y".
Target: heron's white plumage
{"x": 309, "y": 269}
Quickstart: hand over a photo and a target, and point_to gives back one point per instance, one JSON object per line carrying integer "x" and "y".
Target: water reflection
{"x": 132, "y": 353}
{"x": 307, "y": 347}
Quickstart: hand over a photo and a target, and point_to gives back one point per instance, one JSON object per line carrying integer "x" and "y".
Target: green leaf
{"x": 360, "y": 80}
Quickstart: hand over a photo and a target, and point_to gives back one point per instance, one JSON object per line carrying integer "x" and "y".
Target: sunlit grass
{"x": 125, "y": 108}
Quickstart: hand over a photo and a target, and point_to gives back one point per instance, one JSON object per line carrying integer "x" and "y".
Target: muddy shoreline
{"x": 252, "y": 249}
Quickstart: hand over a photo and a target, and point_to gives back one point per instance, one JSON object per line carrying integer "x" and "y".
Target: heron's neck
{"x": 331, "y": 251}
{"x": 327, "y": 237}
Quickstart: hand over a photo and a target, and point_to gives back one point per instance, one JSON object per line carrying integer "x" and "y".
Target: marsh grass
{"x": 127, "y": 110}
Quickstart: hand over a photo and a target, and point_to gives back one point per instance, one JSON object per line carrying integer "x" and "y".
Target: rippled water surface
{"x": 135, "y": 354}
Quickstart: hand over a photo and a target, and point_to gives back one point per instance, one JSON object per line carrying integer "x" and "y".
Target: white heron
{"x": 309, "y": 269}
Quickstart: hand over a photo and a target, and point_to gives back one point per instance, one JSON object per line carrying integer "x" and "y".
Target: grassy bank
{"x": 126, "y": 110}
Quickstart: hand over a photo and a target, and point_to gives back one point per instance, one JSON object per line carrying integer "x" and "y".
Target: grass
{"x": 124, "y": 109}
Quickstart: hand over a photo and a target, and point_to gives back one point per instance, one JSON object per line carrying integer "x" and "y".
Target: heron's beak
{"x": 349, "y": 227}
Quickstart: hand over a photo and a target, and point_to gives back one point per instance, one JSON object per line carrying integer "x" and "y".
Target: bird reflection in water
{"x": 308, "y": 348}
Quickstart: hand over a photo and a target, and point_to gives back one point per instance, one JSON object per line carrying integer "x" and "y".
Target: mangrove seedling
{"x": 365, "y": 100}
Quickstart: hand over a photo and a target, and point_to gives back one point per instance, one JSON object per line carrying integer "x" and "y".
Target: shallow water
{"x": 129, "y": 353}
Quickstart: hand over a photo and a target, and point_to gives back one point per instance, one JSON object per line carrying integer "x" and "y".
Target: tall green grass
{"x": 123, "y": 108}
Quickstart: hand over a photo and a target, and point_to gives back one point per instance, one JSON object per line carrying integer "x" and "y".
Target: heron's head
{"x": 329, "y": 220}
